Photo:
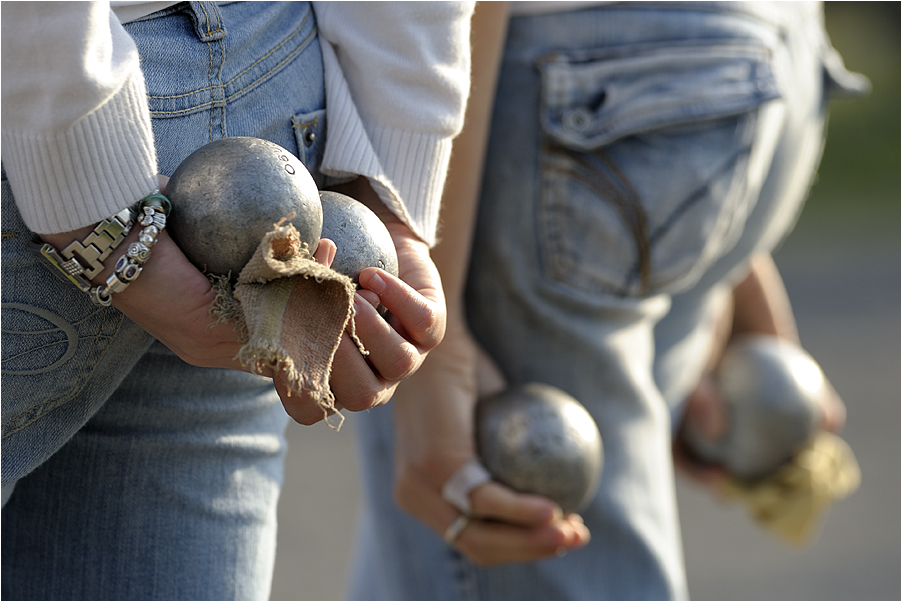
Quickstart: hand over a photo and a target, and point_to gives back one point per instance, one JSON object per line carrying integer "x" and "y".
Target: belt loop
{"x": 207, "y": 21}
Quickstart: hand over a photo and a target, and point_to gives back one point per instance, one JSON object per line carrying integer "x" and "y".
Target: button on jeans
{"x": 130, "y": 474}
{"x": 640, "y": 154}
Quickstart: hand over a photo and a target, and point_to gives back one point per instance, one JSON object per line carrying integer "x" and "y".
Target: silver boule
{"x": 536, "y": 438}
{"x": 362, "y": 239}
{"x": 773, "y": 390}
{"x": 228, "y": 194}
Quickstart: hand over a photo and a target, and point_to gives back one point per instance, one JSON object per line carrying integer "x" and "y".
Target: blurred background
{"x": 842, "y": 268}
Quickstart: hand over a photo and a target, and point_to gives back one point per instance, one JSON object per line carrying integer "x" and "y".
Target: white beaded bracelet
{"x": 155, "y": 209}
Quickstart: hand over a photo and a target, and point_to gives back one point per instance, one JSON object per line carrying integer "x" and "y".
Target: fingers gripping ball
{"x": 773, "y": 391}
{"x": 538, "y": 439}
{"x": 362, "y": 239}
{"x": 228, "y": 194}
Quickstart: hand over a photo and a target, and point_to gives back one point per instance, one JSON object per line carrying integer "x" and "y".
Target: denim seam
{"x": 224, "y": 101}
{"x": 691, "y": 200}
{"x": 39, "y": 410}
{"x": 618, "y": 193}
{"x": 238, "y": 93}
{"x": 207, "y": 20}
{"x": 69, "y": 330}
{"x": 299, "y": 126}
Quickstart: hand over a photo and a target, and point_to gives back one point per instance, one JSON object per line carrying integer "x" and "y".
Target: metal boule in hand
{"x": 228, "y": 194}
{"x": 536, "y": 438}
{"x": 362, "y": 239}
{"x": 773, "y": 391}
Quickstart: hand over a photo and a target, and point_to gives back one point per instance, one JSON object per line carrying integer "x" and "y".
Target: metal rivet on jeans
{"x": 578, "y": 119}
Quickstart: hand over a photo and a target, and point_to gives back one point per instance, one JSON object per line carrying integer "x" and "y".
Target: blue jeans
{"x": 638, "y": 156}
{"x": 130, "y": 474}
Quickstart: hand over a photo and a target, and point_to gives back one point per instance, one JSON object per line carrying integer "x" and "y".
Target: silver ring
{"x": 457, "y": 488}
{"x": 455, "y": 529}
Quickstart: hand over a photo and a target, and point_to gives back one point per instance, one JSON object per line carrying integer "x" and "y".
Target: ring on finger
{"x": 455, "y": 529}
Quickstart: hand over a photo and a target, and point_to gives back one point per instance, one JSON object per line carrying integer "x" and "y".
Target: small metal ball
{"x": 773, "y": 392}
{"x": 537, "y": 439}
{"x": 228, "y": 194}
{"x": 362, "y": 239}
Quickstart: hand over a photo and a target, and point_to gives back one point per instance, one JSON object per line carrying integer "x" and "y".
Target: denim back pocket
{"x": 644, "y": 161}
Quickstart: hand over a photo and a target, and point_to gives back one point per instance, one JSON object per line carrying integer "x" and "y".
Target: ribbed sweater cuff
{"x": 406, "y": 169}
{"x": 103, "y": 163}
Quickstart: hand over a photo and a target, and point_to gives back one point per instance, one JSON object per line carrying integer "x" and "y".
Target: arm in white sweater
{"x": 77, "y": 143}
{"x": 397, "y": 77}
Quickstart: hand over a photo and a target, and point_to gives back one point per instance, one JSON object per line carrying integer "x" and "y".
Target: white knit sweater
{"x": 76, "y": 139}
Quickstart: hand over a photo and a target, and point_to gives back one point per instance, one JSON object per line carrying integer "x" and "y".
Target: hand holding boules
{"x": 434, "y": 414}
{"x": 773, "y": 393}
{"x": 784, "y": 468}
{"x": 250, "y": 216}
{"x": 415, "y": 323}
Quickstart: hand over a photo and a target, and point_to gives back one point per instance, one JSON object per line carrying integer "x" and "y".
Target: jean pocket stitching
{"x": 34, "y": 413}
{"x": 613, "y": 187}
{"x": 305, "y": 43}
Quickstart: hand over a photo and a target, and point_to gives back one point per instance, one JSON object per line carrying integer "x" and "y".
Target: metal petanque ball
{"x": 228, "y": 194}
{"x": 537, "y": 439}
{"x": 773, "y": 391}
{"x": 362, "y": 239}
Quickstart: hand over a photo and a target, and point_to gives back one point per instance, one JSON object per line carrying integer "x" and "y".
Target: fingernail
{"x": 376, "y": 282}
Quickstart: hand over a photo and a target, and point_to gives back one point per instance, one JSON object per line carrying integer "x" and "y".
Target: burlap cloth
{"x": 791, "y": 502}
{"x": 289, "y": 313}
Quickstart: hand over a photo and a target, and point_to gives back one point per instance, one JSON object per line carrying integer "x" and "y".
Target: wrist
{"x": 83, "y": 255}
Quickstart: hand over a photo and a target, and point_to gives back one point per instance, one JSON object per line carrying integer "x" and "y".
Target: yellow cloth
{"x": 791, "y": 502}
{"x": 290, "y": 313}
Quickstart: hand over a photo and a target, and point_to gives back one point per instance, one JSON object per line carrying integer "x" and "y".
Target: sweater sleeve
{"x": 76, "y": 135}
{"x": 397, "y": 78}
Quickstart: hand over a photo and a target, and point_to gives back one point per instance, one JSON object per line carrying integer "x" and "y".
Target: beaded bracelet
{"x": 151, "y": 212}
{"x": 155, "y": 209}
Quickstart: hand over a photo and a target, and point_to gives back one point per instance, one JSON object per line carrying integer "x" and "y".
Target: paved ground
{"x": 846, "y": 296}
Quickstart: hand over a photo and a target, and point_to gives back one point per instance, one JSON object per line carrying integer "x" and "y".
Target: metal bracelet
{"x": 96, "y": 247}
{"x": 151, "y": 212}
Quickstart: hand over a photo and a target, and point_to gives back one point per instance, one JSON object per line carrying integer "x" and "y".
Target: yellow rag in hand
{"x": 289, "y": 312}
{"x": 791, "y": 502}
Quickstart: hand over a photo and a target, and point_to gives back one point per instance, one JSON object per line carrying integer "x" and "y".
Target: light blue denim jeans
{"x": 639, "y": 155}
{"x": 132, "y": 474}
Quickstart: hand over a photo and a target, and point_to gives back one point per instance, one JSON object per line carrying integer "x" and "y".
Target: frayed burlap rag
{"x": 791, "y": 502}
{"x": 290, "y": 313}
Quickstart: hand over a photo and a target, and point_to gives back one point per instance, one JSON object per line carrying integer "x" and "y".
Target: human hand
{"x": 397, "y": 344}
{"x": 759, "y": 306}
{"x": 171, "y": 300}
{"x": 706, "y": 411}
{"x": 434, "y": 418}
{"x": 706, "y": 414}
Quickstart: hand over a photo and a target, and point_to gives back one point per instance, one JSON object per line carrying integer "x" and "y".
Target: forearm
{"x": 761, "y": 303}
